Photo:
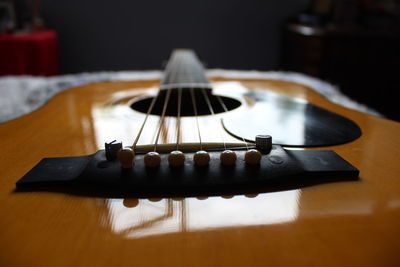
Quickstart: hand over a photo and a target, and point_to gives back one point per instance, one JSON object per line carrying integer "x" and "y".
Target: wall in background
{"x": 131, "y": 35}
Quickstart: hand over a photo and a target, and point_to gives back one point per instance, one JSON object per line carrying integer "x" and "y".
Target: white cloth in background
{"x": 20, "y": 95}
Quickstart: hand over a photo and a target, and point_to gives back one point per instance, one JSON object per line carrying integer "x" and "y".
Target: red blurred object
{"x": 33, "y": 53}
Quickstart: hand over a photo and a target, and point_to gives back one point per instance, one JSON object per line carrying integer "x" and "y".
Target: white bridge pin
{"x": 228, "y": 157}
{"x": 126, "y": 157}
{"x": 201, "y": 158}
{"x": 252, "y": 157}
{"x": 152, "y": 159}
{"x": 176, "y": 158}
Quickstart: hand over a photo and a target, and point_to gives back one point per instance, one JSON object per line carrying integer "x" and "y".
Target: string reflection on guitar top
{"x": 166, "y": 216}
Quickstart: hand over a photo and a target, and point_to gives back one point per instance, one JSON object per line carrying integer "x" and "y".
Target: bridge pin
{"x": 126, "y": 157}
{"x": 264, "y": 143}
{"x": 228, "y": 157}
{"x": 201, "y": 158}
{"x": 252, "y": 157}
{"x": 176, "y": 158}
{"x": 152, "y": 159}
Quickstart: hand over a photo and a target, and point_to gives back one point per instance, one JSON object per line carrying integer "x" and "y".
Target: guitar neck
{"x": 184, "y": 71}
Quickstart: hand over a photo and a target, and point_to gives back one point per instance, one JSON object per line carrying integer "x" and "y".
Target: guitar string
{"x": 162, "y": 119}
{"x": 196, "y": 115}
{"x": 178, "y": 122}
{"x": 144, "y": 121}
{"x": 221, "y": 101}
{"x": 213, "y": 113}
{"x": 194, "y": 104}
{"x": 179, "y": 106}
{"x": 178, "y": 62}
{"x": 149, "y": 110}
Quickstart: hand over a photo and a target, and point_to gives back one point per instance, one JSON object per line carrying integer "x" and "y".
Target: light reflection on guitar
{"x": 191, "y": 214}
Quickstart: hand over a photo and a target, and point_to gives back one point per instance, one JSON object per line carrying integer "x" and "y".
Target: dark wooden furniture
{"x": 364, "y": 63}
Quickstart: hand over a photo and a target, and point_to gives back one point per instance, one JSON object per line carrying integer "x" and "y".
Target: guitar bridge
{"x": 280, "y": 169}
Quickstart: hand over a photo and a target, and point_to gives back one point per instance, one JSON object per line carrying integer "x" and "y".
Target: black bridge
{"x": 279, "y": 170}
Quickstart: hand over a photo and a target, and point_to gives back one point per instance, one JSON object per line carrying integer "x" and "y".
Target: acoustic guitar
{"x": 186, "y": 174}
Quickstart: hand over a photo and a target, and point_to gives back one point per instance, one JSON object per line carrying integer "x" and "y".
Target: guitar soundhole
{"x": 187, "y": 108}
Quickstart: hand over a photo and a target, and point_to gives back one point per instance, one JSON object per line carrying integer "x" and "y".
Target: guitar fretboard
{"x": 184, "y": 70}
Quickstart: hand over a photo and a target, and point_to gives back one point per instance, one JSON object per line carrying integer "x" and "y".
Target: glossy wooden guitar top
{"x": 337, "y": 224}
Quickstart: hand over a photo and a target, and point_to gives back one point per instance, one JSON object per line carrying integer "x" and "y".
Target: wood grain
{"x": 340, "y": 224}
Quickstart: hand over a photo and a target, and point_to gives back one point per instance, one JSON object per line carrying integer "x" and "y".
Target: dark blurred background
{"x": 123, "y": 35}
{"x": 351, "y": 43}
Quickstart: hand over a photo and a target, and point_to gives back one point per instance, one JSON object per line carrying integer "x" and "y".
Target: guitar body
{"x": 338, "y": 224}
